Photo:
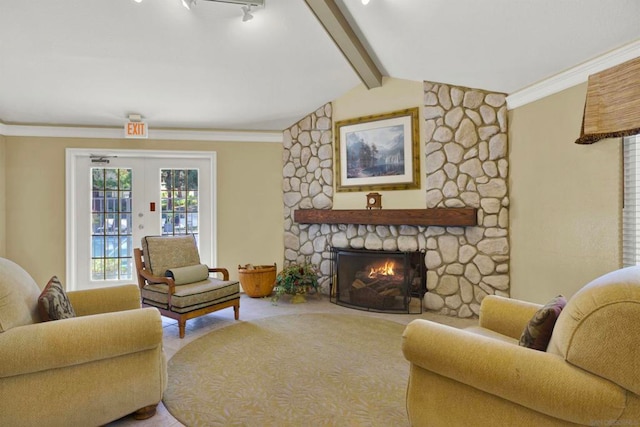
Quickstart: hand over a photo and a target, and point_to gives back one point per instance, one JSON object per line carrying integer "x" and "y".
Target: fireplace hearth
{"x": 384, "y": 281}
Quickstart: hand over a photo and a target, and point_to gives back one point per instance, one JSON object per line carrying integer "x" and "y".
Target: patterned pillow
{"x": 537, "y": 333}
{"x": 53, "y": 302}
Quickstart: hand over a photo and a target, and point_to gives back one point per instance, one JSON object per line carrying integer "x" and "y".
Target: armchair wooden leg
{"x": 145, "y": 413}
{"x": 182, "y": 325}
{"x": 236, "y": 311}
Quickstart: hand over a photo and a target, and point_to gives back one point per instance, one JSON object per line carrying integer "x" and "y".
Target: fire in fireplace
{"x": 387, "y": 281}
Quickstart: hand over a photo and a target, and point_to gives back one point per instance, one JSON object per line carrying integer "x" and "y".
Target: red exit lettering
{"x": 136, "y": 130}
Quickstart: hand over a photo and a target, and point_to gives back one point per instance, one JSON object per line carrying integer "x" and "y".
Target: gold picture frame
{"x": 378, "y": 152}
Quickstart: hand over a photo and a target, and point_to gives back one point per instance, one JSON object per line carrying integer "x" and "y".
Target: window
{"x": 631, "y": 209}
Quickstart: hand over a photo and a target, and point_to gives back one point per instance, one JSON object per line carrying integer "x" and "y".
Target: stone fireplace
{"x": 465, "y": 149}
{"x": 385, "y": 281}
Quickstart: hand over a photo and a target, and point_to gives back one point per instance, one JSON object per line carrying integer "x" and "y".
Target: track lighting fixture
{"x": 246, "y": 8}
{"x": 254, "y": 3}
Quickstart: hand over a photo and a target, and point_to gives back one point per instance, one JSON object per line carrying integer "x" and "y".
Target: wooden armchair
{"x": 172, "y": 279}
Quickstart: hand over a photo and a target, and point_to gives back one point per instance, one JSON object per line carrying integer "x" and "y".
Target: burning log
{"x": 391, "y": 292}
{"x": 367, "y": 297}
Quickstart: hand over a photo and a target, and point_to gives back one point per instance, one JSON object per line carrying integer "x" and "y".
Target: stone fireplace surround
{"x": 466, "y": 166}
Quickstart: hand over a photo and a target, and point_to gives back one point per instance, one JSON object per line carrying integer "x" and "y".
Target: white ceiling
{"x": 93, "y": 62}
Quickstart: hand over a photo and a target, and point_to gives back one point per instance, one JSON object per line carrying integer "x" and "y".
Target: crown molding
{"x": 573, "y": 76}
{"x": 158, "y": 134}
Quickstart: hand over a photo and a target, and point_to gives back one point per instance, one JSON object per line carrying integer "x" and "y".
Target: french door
{"x": 120, "y": 197}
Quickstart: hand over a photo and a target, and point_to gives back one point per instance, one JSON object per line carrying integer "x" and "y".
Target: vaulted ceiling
{"x": 93, "y": 62}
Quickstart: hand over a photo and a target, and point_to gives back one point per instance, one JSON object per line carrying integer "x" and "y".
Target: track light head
{"x": 246, "y": 13}
{"x": 188, "y": 3}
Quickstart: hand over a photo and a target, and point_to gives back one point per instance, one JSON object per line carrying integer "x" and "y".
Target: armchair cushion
{"x": 189, "y": 274}
{"x": 18, "y": 296}
{"x": 537, "y": 333}
{"x": 160, "y": 256}
{"x": 53, "y": 303}
{"x": 191, "y": 296}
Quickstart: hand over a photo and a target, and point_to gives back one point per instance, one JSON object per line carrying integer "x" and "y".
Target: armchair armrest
{"x": 537, "y": 380}
{"x": 505, "y": 315}
{"x": 150, "y": 278}
{"x": 105, "y": 300}
{"x": 224, "y": 271}
{"x": 68, "y": 342}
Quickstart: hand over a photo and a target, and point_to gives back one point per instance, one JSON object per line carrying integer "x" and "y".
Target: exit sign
{"x": 135, "y": 130}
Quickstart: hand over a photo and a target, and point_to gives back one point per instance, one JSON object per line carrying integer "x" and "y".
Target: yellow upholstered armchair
{"x": 589, "y": 374}
{"x": 172, "y": 279}
{"x": 88, "y": 370}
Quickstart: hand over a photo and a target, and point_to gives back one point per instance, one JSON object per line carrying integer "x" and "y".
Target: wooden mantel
{"x": 444, "y": 217}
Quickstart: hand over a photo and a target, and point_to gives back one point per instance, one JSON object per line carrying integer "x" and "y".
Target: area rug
{"x": 298, "y": 370}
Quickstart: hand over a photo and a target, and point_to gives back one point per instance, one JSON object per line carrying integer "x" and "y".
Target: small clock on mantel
{"x": 374, "y": 201}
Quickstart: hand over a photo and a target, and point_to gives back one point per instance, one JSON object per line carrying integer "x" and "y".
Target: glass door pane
{"x": 111, "y": 227}
{"x": 179, "y": 201}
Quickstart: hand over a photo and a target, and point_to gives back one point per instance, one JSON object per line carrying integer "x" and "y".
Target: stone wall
{"x": 466, "y": 166}
{"x": 308, "y": 183}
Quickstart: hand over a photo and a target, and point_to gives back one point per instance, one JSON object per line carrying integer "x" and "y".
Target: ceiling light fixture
{"x": 246, "y": 8}
{"x": 365, "y": 2}
{"x": 255, "y": 3}
{"x": 246, "y": 13}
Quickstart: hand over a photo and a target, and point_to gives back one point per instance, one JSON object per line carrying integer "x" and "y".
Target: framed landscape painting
{"x": 378, "y": 152}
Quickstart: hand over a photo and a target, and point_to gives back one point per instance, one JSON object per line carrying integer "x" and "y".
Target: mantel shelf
{"x": 444, "y": 217}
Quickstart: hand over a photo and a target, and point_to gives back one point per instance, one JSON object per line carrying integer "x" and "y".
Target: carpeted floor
{"x": 293, "y": 370}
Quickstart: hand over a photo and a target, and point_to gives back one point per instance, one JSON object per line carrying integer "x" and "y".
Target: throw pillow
{"x": 53, "y": 302}
{"x": 537, "y": 333}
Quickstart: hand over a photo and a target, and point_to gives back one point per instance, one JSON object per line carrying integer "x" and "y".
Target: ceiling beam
{"x": 335, "y": 23}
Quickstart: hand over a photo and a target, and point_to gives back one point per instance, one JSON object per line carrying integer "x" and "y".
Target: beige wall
{"x": 3, "y": 214}
{"x": 393, "y": 95}
{"x": 249, "y": 202}
{"x": 565, "y": 199}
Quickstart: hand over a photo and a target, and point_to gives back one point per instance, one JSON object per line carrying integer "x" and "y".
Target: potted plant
{"x": 296, "y": 279}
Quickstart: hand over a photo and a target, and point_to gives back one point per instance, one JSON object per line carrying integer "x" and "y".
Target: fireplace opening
{"x": 384, "y": 281}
